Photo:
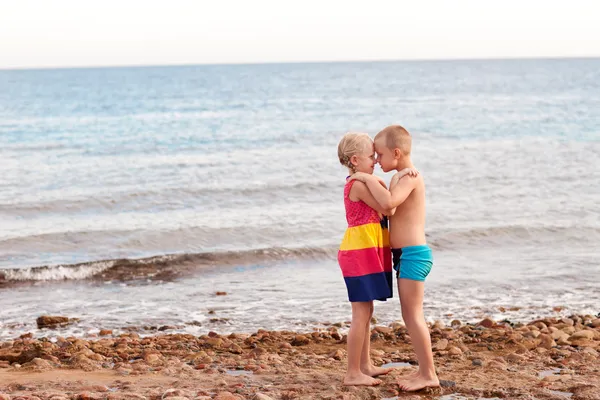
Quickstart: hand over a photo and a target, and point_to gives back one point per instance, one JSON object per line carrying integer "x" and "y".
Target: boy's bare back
{"x": 407, "y": 225}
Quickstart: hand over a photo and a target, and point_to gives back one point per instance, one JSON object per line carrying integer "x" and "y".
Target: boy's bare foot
{"x": 419, "y": 383}
{"x": 372, "y": 370}
{"x": 405, "y": 378}
{"x": 361, "y": 380}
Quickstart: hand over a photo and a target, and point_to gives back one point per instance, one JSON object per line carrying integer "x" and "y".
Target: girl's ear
{"x": 354, "y": 160}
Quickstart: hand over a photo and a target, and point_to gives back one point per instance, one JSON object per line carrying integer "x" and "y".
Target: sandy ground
{"x": 544, "y": 359}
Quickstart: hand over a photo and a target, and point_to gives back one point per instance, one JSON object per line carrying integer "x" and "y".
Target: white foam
{"x": 59, "y": 272}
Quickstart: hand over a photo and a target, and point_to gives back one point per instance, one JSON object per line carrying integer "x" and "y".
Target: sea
{"x": 130, "y": 197}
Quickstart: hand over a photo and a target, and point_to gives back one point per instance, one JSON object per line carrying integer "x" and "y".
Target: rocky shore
{"x": 544, "y": 359}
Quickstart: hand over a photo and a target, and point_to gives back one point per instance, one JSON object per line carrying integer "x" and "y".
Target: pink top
{"x": 358, "y": 212}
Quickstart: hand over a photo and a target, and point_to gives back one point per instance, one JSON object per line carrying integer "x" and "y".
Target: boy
{"x": 412, "y": 257}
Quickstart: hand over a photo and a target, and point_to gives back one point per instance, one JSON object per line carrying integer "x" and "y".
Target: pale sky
{"x": 72, "y": 33}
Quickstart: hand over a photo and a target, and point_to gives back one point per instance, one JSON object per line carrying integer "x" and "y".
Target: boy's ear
{"x": 397, "y": 153}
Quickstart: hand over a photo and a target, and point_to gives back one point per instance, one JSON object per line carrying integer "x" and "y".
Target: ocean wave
{"x": 511, "y": 234}
{"x": 162, "y": 267}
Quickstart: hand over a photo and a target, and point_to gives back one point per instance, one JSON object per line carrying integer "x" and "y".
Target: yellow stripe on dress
{"x": 364, "y": 237}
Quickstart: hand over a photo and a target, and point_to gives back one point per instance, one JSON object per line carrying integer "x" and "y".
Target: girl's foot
{"x": 372, "y": 370}
{"x": 360, "y": 380}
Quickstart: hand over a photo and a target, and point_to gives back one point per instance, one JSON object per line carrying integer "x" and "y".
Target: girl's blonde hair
{"x": 353, "y": 144}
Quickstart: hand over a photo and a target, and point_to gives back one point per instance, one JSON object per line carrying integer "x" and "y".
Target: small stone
{"x": 226, "y": 396}
{"x": 582, "y": 335}
{"x": 455, "y": 323}
{"x": 441, "y": 345}
{"x": 337, "y": 355}
{"x": 515, "y": 358}
{"x": 438, "y": 324}
{"x": 260, "y": 396}
{"x": 487, "y": 323}
{"x": 221, "y": 293}
{"x": 454, "y": 351}
{"x": 52, "y": 321}
{"x": 567, "y": 321}
{"x": 300, "y": 340}
{"x": 477, "y": 362}
{"x": 105, "y": 332}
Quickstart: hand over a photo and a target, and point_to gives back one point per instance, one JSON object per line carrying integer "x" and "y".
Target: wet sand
{"x": 544, "y": 359}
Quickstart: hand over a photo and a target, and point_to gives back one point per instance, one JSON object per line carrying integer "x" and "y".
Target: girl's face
{"x": 365, "y": 161}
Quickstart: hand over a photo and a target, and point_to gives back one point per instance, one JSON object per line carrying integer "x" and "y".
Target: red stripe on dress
{"x": 364, "y": 261}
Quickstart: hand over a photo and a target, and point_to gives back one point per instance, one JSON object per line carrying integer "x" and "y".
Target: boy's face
{"x": 385, "y": 156}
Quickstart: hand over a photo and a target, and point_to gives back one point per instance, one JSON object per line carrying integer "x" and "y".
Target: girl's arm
{"x": 379, "y": 192}
{"x": 360, "y": 191}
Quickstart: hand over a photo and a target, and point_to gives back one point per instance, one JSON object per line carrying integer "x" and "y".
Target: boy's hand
{"x": 413, "y": 172}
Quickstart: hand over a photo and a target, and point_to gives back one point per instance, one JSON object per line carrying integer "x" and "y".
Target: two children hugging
{"x": 365, "y": 258}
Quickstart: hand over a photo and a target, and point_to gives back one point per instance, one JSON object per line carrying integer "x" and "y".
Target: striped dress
{"x": 364, "y": 256}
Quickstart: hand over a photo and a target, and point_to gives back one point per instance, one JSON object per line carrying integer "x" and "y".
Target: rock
{"x": 383, "y": 329}
{"x": 567, "y": 321}
{"x": 441, "y": 345}
{"x": 4, "y": 396}
{"x": 455, "y": 351}
{"x": 260, "y": 396}
{"x": 444, "y": 383}
{"x": 438, "y": 324}
{"x": 214, "y": 341}
{"x": 105, "y": 332}
{"x": 87, "y": 396}
{"x": 559, "y": 334}
{"x": 175, "y": 394}
{"x": 221, "y": 293}
{"x": 582, "y": 335}
{"x": 300, "y": 340}
{"x": 38, "y": 364}
{"x": 595, "y": 323}
{"x": 337, "y": 355}
{"x": 487, "y": 323}
{"x": 496, "y": 365}
{"x": 227, "y": 396}
{"x": 235, "y": 349}
{"x": 49, "y": 321}
{"x": 547, "y": 342}
{"x": 477, "y": 362}
{"x": 515, "y": 358}
{"x": 532, "y": 334}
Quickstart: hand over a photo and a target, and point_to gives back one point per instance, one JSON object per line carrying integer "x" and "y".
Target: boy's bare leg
{"x": 411, "y": 301}
{"x": 361, "y": 315}
{"x": 366, "y": 366}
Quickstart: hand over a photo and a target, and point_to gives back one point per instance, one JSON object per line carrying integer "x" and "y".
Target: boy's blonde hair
{"x": 352, "y": 144}
{"x": 396, "y": 137}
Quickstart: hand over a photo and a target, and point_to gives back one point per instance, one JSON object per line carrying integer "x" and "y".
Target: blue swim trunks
{"x": 413, "y": 262}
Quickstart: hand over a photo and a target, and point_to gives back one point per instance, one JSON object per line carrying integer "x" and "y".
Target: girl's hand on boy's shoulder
{"x": 360, "y": 176}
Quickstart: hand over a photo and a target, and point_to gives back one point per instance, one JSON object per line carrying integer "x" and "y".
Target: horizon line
{"x": 175, "y": 65}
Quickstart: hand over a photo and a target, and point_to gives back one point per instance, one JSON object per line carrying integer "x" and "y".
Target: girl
{"x": 364, "y": 256}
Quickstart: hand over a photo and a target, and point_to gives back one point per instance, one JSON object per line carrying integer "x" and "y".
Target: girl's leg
{"x": 366, "y": 366}
{"x": 361, "y": 312}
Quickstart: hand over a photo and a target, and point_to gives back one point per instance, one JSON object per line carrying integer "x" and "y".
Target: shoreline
{"x": 550, "y": 358}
